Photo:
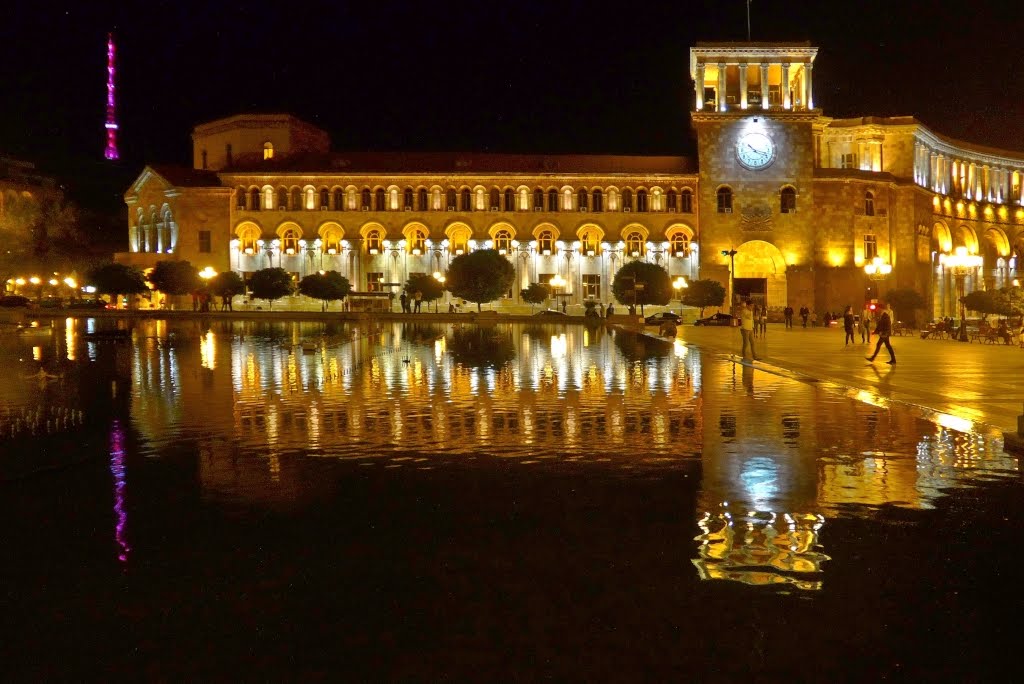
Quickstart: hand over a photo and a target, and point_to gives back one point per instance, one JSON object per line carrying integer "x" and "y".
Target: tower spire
{"x": 111, "y": 125}
{"x": 748, "y": 21}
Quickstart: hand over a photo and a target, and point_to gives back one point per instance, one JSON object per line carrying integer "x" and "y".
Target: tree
{"x": 1011, "y": 301}
{"x": 430, "y": 288}
{"x": 327, "y": 287}
{"x": 704, "y": 293}
{"x": 480, "y": 276}
{"x": 174, "y": 277}
{"x": 907, "y": 301}
{"x": 536, "y": 293}
{"x": 983, "y": 301}
{"x": 117, "y": 279}
{"x": 271, "y": 284}
{"x": 227, "y": 284}
{"x": 639, "y": 282}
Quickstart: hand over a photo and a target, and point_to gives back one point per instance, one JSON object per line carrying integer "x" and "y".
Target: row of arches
{"x": 155, "y": 231}
{"x": 457, "y": 238}
{"x": 465, "y": 198}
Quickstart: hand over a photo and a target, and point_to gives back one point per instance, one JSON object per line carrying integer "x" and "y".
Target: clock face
{"x": 755, "y": 150}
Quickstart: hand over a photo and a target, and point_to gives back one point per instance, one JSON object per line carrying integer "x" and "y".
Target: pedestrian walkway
{"x": 980, "y": 383}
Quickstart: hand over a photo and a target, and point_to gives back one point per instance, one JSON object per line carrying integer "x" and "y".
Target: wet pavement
{"x": 416, "y": 501}
{"x": 975, "y": 382}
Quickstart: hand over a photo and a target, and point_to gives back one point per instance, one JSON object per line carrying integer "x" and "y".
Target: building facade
{"x": 782, "y": 203}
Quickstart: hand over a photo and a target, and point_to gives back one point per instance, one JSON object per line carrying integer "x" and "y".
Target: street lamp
{"x": 960, "y": 264}
{"x": 439, "y": 277}
{"x": 731, "y": 253}
{"x": 877, "y": 269}
{"x": 556, "y": 282}
{"x": 680, "y": 284}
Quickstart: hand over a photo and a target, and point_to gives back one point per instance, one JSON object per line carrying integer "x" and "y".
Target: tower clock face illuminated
{"x": 755, "y": 150}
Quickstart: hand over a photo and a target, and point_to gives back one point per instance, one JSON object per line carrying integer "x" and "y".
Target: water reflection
{"x": 261, "y": 402}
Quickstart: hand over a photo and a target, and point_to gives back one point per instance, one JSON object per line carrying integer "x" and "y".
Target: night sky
{"x": 530, "y": 76}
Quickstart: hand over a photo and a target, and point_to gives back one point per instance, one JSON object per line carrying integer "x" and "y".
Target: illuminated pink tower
{"x": 111, "y": 125}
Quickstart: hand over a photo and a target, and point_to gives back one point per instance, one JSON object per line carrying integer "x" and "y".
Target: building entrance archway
{"x": 761, "y": 273}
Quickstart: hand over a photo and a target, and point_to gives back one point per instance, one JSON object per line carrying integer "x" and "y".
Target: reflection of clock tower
{"x": 755, "y": 122}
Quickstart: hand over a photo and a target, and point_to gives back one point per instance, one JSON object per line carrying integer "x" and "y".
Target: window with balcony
{"x": 588, "y": 244}
{"x": 290, "y": 241}
{"x": 407, "y": 198}
{"x": 581, "y": 200}
{"x": 598, "y": 197}
{"x": 546, "y": 242}
{"x": 641, "y": 200}
{"x": 325, "y": 198}
{"x": 672, "y": 201}
{"x": 634, "y": 244}
{"x": 503, "y": 242}
{"x": 331, "y": 241}
{"x": 451, "y": 197}
{"x": 282, "y": 199}
{"x": 365, "y": 199}
{"x": 248, "y": 240}
{"x": 538, "y": 200}
{"x": 627, "y": 200}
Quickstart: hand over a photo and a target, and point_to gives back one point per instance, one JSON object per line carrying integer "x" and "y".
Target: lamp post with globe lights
{"x": 680, "y": 284}
{"x": 557, "y": 282}
{"x": 731, "y": 253}
{"x": 961, "y": 264}
{"x": 439, "y": 277}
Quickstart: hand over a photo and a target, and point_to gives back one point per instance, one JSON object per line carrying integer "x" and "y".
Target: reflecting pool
{"x": 417, "y": 501}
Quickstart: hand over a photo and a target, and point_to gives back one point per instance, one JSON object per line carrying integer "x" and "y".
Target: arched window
{"x": 282, "y": 200}
{"x": 552, "y": 200}
{"x": 724, "y": 201}
{"x": 546, "y": 242}
{"x": 418, "y": 242}
{"x": 589, "y": 245}
{"x": 634, "y": 244}
{"x": 787, "y": 200}
{"x": 598, "y": 200}
{"x": 242, "y": 195}
{"x": 495, "y": 198}
{"x": 254, "y": 199}
{"x": 510, "y": 200}
{"x": 407, "y": 196}
{"x": 641, "y": 200}
{"x": 268, "y": 198}
{"x": 248, "y": 240}
{"x": 680, "y": 245}
{"x": 465, "y": 200}
{"x": 325, "y": 198}
{"x": 380, "y": 202}
{"x": 268, "y": 150}
{"x": 290, "y": 241}
{"x": 503, "y": 241}
{"x": 373, "y": 242}
{"x": 310, "y": 198}
{"x": 581, "y": 200}
{"x": 672, "y": 201}
{"x": 339, "y": 199}
{"x": 450, "y": 199}
{"x": 296, "y": 204}
{"x": 365, "y": 199}
{"x": 686, "y": 201}
{"x": 423, "y": 200}
{"x": 869, "y": 203}
{"x": 538, "y": 200}
{"x": 331, "y": 241}
{"x": 627, "y": 200}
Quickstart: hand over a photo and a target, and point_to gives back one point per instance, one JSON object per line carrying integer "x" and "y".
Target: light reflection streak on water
{"x": 117, "y": 470}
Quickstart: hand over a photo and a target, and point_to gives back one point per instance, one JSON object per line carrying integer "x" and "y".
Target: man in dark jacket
{"x": 884, "y": 329}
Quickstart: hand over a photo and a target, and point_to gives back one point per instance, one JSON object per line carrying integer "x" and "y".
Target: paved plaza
{"x": 975, "y": 382}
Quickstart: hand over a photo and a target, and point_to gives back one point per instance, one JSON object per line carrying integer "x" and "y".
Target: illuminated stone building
{"x": 804, "y": 200}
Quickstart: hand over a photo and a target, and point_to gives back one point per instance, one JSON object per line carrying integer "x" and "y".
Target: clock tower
{"x": 755, "y": 121}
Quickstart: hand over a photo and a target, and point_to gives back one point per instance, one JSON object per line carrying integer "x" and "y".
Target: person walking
{"x": 804, "y": 313}
{"x": 865, "y": 325}
{"x": 848, "y": 326}
{"x": 418, "y": 297}
{"x": 747, "y": 331}
{"x": 884, "y": 330}
{"x": 403, "y": 299}
{"x": 788, "y": 315}
{"x": 764, "y": 320}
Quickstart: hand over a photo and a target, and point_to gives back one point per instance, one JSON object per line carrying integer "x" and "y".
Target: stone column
{"x": 972, "y": 181}
{"x": 808, "y": 86}
{"x": 698, "y": 85}
{"x": 986, "y": 183}
{"x": 786, "y": 102}
{"x": 743, "y": 86}
{"x": 764, "y": 86}
{"x": 933, "y": 165}
{"x": 721, "y": 87}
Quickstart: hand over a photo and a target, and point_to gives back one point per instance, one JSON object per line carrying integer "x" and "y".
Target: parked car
{"x": 552, "y": 313}
{"x": 716, "y": 319}
{"x": 15, "y": 302}
{"x": 51, "y": 303}
{"x": 88, "y": 304}
{"x": 663, "y": 317}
